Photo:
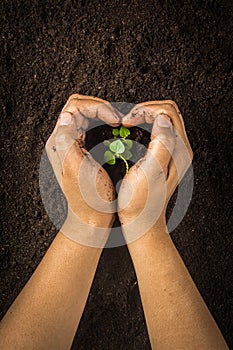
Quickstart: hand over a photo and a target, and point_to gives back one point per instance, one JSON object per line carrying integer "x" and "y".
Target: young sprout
{"x": 119, "y": 147}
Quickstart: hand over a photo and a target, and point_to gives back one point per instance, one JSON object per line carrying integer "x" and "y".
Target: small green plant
{"x": 119, "y": 147}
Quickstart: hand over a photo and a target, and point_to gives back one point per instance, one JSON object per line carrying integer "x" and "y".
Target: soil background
{"x": 130, "y": 51}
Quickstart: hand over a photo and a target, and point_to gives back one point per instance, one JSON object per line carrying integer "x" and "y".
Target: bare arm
{"x": 46, "y": 313}
{"x": 176, "y": 315}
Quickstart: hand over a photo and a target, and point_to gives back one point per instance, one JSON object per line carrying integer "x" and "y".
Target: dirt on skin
{"x": 131, "y": 51}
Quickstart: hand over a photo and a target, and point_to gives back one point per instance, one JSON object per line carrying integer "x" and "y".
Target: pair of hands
{"x": 146, "y": 189}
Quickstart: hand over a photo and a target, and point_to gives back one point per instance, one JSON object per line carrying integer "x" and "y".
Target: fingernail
{"x": 66, "y": 118}
{"x": 164, "y": 121}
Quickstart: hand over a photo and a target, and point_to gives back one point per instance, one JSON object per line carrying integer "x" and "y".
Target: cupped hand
{"x": 87, "y": 187}
{"x": 145, "y": 191}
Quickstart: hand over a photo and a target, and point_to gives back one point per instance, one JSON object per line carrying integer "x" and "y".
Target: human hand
{"x": 88, "y": 188}
{"x": 145, "y": 191}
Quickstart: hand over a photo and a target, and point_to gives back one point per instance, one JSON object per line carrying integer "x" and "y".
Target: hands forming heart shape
{"x": 146, "y": 189}
{"x": 53, "y": 300}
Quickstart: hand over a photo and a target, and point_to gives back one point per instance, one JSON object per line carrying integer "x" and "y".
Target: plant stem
{"x": 126, "y": 163}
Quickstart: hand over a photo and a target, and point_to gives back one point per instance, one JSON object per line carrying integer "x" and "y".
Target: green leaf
{"x": 124, "y": 132}
{"x": 127, "y": 154}
{"x": 115, "y": 132}
{"x": 128, "y": 143}
{"x": 106, "y": 143}
{"x": 109, "y": 157}
{"x": 117, "y": 147}
{"x": 112, "y": 161}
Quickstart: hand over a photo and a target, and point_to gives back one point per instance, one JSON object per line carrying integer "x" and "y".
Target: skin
{"x": 46, "y": 314}
{"x": 176, "y": 315}
{"x": 91, "y": 205}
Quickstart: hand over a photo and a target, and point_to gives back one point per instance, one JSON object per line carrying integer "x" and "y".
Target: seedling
{"x": 119, "y": 147}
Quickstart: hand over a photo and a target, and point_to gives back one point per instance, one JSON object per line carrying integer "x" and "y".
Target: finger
{"x": 108, "y": 115}
{"x": 60, "y": 142}
{"x": 179, "y": 163}
{"x": 91, "y": 108}
{"x": 70, "y": 148}
{"x": 162, "y": 142}
{"x": 68, "y": 143}
{"x": 65, "y": 118}
{"x": 138, "y": 115}
{"x": 132, "y": 119}
{"x": 148, "y": 112}
{"x": 172, "y": 178}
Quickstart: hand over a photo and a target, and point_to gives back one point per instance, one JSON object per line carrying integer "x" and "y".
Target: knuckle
{"x": 171, "y": 102}
{"x": 73, "y": 96}
{"x": 171, "y": 105}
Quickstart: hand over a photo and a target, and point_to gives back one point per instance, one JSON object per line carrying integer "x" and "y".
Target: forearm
{"x": 176, "y": 315}
{"x": 46, "y": 313}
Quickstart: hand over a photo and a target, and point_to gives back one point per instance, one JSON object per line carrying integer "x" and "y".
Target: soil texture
{"x": 121, "y": 51}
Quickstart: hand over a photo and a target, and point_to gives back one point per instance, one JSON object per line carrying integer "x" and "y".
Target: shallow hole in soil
{"x": 97, "y": 134}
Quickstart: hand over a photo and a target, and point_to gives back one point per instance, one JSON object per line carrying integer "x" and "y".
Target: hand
{"x": 88, "y": 189}
{"x": 147, "y": 188}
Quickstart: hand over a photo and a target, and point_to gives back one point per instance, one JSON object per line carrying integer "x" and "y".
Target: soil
{"x": 127, "y": 51}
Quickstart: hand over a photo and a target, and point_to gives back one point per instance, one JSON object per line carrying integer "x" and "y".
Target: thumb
{"x": 66, "y": 134}
{"x": 69, "y": 143}
{"x": 162, "y": 141}
{"x": 60, "y": 142}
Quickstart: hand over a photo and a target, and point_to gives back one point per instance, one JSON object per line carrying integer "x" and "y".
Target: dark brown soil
{"x": 129, "y": 51}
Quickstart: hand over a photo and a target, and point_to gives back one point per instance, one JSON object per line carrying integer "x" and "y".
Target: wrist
{"x": 134, "y": 231}
{"x": 90, "y": 233}
{"x": 155, "y": 238}
{"x": 71, "y": 246}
